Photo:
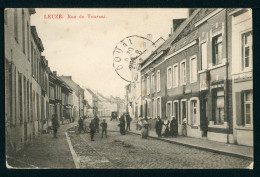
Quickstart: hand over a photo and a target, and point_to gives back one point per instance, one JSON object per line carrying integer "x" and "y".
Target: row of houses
{"x": 202, "y": 73}
{"x": 34, "y": 93}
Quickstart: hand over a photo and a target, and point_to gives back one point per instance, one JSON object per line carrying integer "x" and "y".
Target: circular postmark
{"x": 126, "y": 56}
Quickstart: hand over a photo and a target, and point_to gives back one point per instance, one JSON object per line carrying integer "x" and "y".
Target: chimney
{"x": 55, "y": 73}
{"x": 176, "y": 23}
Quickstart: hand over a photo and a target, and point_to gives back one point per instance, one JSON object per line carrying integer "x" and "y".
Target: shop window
{"x": 175, "y": 75}
{"x": 217, "y": 50}
{"x": 204, "y": 53}
{"x": 183, "y": 73}
{"x": 248, "y": 107}
{"x": 169, "y": 77}
{"x": 247, "y": 50}
{"x": 194, "y": 112}
{"x": 218, "y": 106}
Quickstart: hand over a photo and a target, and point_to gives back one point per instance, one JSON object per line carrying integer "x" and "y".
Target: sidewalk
{"x": 45, "y": 152}
{"x": 204, "y": 144}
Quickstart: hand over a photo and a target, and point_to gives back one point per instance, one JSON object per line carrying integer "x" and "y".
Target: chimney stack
{"x": 55, "y": 73}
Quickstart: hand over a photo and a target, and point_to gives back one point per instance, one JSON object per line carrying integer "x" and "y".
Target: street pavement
{"x": 131, "y": 151}
{"x": 73, "y": 150}
{"x": 45, "y": 152}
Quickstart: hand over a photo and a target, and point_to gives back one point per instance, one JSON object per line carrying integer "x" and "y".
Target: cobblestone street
{"x": 130, "y": 151}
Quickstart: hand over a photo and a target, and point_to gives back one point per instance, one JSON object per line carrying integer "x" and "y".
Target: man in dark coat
{"x": 128, "y": 121}
{"x": 80, "y": 124}
{"x": 122, "y": 124}
{"x": 55, "y": 125}
{"x": 92, "y": 128}
{"x": 158, "y": 126}
{"x": 96, "y": 122}
{"x": 175, "y": 124}
{"x": 104, "y": 128}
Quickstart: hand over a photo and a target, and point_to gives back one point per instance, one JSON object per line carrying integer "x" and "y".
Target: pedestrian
{"x": 165, "y": 129}
{"x": 104, "y": 127}
{"x": 140, "y": 124}
{"x": 122, "y": 124}
{"x": 55, "y": 125}
{"x": 158, "y": 126}
{"x": 145, "y": 129}
{"x": 85, "y": 126}
{"x": 92, "y": 129}
{"x": 96, "y": 122}
{"x": 172, "y": 127}
{"x": 128, "y": 121}
{"x": 184, "y": 127}
{"x": 80, "y": 122}
{"x": 175, "y": 125}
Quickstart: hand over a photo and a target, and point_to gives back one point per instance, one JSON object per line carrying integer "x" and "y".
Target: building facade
{"x": 242, "y": 75}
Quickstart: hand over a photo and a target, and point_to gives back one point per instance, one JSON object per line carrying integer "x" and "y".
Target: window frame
{"x": 173, "y": 71}
{"x": 158, "y": 81}
{"x": 170, "y": 117}
{"x": 201, "y": 51}
{"x": 243, "y": 50}
{"x": 152, "y": 83}
{"x": 178, "y": 109}
{"x": 148, "y": 82}
{"x": 181, "y": 114}
{"x": 197, "y": 111}
{"x": 159, "y": 98}
{"x": 215, "y": 107}
{"x": 182, "y": 75}
{"x": 169, "y": 86}
{"x": 251, "y": 107}
{"x": 196, "y": 69}
{"x": 216, "y": 61}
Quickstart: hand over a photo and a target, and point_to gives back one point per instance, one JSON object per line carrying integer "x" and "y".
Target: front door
{"x": 204, "y": 116}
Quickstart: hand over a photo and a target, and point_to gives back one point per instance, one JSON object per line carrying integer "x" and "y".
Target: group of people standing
{"x": 93, "y": 126}
{"x": 125, "y": 118}
{"x": 166, "y": 128}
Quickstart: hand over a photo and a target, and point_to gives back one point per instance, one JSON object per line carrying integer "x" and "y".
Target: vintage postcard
{"x": 130, "y": 88}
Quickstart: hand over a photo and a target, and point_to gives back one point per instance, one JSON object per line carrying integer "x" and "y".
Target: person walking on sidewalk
{"x": 55, "y": 125}
{"x": 104, "y": 128}
{"x": 145, "y": 129}
{"x": 128, "y": 121}
{"x": 96, "y": 122}
{"x": 158, "y": 126}
{"x": 92, "y": 128}
{"x": 184, "y": 127}
{"x": 165, "y": 129}
{"x": 80, "y": 122}
{"x": 122, "y": 124}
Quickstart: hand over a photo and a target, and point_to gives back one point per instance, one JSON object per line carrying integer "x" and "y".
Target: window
{"x": 247, "y": 49}
{"x": 20, "y": 97}
{"x": 183, "y": 73}
{"x": 23, "y": 30}
{"x": 148, "y": 85}
{"x": 28, "y": 42}
{"x": 158, "y": 81}
{"x": 16, "y": 24}
{"x": 194, "y": 112}
{"x": 51, "y": 91}
{"x": 169, "y": 77}
{"x": 143, "y": 87}
{"x": 248, "y": 107}
{"x": 169, "y": 109}
{"x": 204, "y": 53}
{"x": 219, "y": 107}
{"x": 175, "y": 75}
{"x": 176, "y": 110}
{"x": 153, "y": 109}
{"x": 193, "y": 69}
{"x": 217, "y": 50}
{"x": 184, "y": 110}
{"x": 152, "y": 83}
{"x": 159, "y": 107}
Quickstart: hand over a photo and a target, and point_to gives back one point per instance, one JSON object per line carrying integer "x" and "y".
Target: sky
{"x": 83, "y": 47}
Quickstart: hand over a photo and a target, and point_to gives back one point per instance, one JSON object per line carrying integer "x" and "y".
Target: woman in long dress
{"x": 165, "y": 129}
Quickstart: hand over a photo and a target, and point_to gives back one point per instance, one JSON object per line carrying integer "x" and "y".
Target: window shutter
{"x": 239, "y": 108}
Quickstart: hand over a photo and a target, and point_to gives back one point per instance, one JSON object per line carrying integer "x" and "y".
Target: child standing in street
{"x": 104, "y": 127}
